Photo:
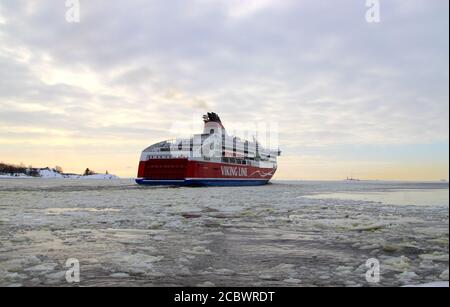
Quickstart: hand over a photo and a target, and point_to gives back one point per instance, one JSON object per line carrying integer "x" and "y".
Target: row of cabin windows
{"x": 233, "y": 147}
{"x": 211, "y": 146}
{"x": 234, "y": 161}
{"x": 165, "y": 166}
{"x": 161, "y": 157}
{"x": 169, "y": 157}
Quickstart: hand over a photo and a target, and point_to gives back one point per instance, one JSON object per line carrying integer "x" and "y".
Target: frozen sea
{"x": 282, "y": 234}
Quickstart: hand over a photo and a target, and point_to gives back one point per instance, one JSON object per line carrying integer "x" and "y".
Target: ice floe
{"x": 264, "y": 236}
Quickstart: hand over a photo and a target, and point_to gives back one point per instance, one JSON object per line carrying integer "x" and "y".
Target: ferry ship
{"x": 212, "y": 158}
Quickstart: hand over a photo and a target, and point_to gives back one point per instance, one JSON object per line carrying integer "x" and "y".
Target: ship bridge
{"x": 214, "y": 144}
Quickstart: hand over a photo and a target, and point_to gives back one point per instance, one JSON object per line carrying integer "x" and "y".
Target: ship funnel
{"x": 211, "y": 117}
{"x": 213, "y": 124}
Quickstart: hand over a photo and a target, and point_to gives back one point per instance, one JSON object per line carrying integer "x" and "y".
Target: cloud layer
{"x": 117, "y": 79}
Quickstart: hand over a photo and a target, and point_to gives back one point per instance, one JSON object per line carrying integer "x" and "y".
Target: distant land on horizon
{"x": 11, "y": 168}
{"x": 22, "y": 171}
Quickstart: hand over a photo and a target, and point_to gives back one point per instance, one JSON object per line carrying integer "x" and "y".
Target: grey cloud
{"x": 315, "y": 67}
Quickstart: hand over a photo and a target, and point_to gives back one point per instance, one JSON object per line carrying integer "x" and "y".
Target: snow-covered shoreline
{"x": 47, "y": 173}
{"x": 89, "y": 177}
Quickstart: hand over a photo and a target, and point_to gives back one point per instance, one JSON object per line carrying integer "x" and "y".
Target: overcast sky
{"x": 351, "y": 98}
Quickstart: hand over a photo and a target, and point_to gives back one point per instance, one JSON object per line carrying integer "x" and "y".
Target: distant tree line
{"x": 6, "y": 168}
{"x": 88, "y": 172}
{"x": 11, "y": 169}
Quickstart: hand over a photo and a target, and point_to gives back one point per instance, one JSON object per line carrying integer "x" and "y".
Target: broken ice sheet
{"x": 268, "y": 236}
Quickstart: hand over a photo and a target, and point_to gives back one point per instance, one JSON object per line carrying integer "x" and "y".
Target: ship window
{"x": 180, "y": 146}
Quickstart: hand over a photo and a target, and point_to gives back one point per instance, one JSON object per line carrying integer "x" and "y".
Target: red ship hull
{"x": 182, "y": 171}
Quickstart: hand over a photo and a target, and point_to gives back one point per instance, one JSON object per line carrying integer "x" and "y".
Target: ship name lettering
{"x": 234, "y": 171}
